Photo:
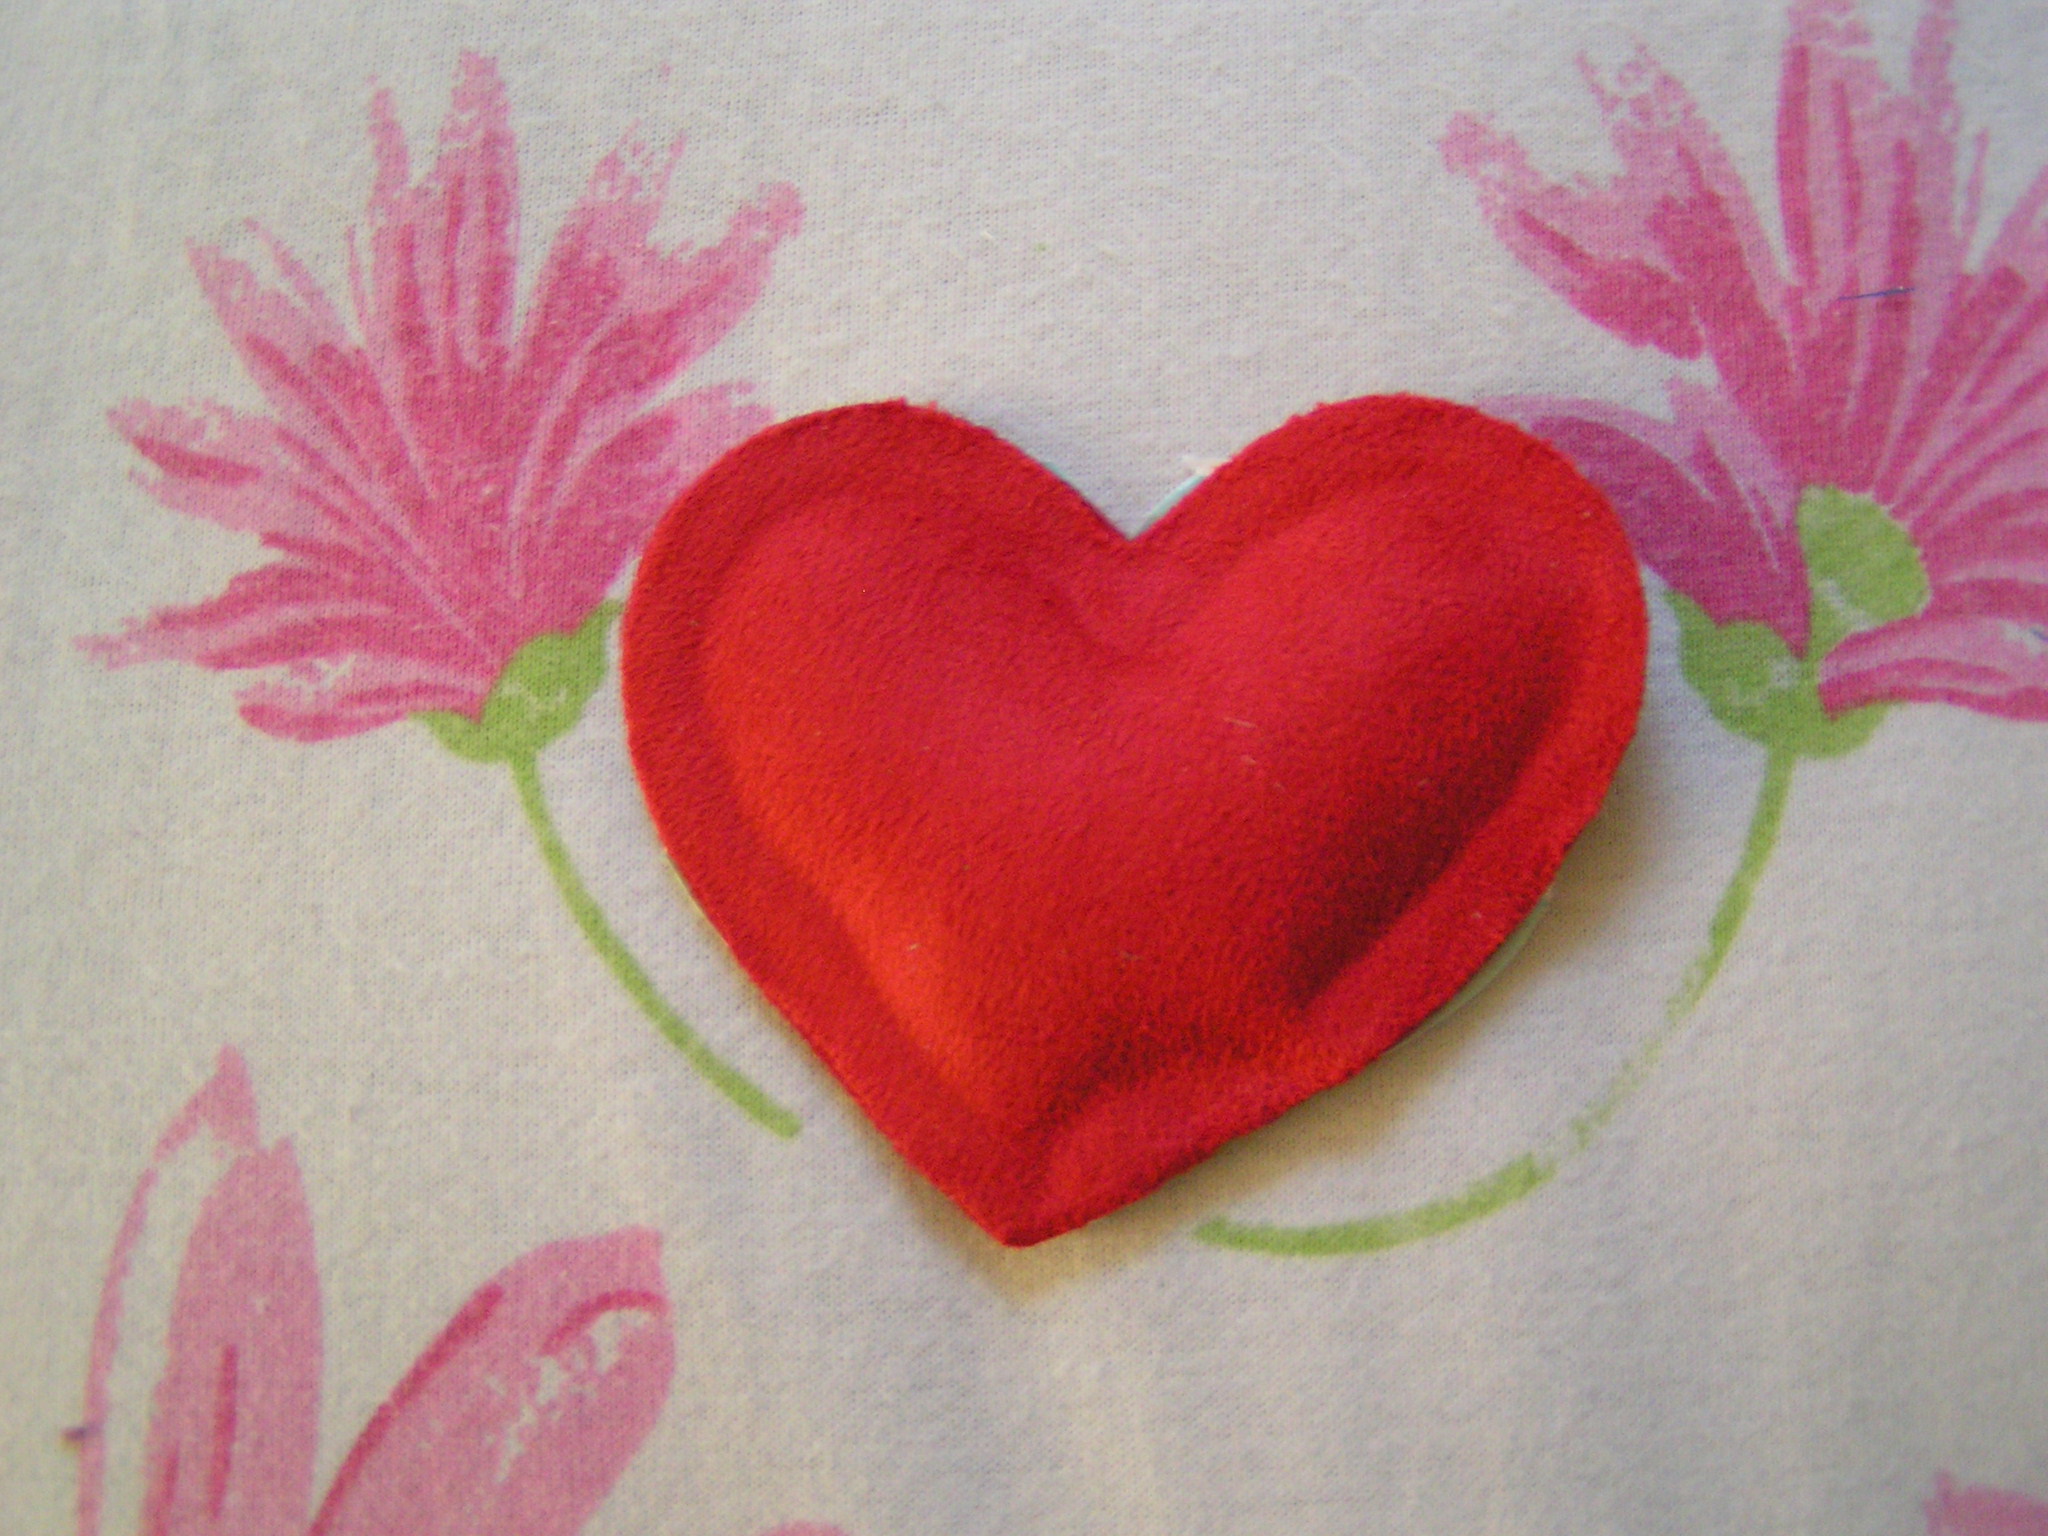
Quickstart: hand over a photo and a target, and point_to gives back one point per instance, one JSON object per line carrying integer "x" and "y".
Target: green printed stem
{"x": 727, "y": 1079}
{"x": 1504, "y": 1186}
{"x": 1734, "y": 907}
{"x": 1528, "y": 1173}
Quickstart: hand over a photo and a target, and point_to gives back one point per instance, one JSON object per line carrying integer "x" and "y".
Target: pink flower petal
{"x": 220, "y": 465}
{"x": 320, "y": 385}
{"x": 2000, "y": 539}
{"x": 225, "y": 1108}
{"x": 237, "y": 1410}
{"x": 1978, "y": 418}
{"x": 1670, "y": 253}
{"x": 1957, "y": 1511}
{"x": 1703, "y": 501}
{"x": 1997, "y": 665}
{"x": 521, "y": 1416}
{"x": 604, "y": 515}
{"x": 313, "y": 701}
{"x": 436, "y": 313}
{"x": 275, "y": 614}
{"x": 443, "y": 259}
{"x": 390, "y": 662}
{"x": 1979, "y": 406}
{"x": 613, "y": 321}
{"x": 1867, "y": 188}
{"x": 1586, "y": 245}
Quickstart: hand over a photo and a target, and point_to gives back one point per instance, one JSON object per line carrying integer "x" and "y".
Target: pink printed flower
{"x": 1957, "y": 1511}
{"x": 449, "y": 481}
{"x": 516, "y": 1421}
{"x": 1868, "y": 479}
{"x": 452, "y": 492}
{"x": 1856, "y": 513}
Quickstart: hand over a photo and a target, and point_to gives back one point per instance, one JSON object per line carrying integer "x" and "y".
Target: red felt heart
{"x": 1076, "y": 855}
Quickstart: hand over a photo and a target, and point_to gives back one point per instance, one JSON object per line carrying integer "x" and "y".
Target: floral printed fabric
{"x": 388, "y": 1146}
{"x": 458, "y": 481}
{"x": 1898, "y": 365}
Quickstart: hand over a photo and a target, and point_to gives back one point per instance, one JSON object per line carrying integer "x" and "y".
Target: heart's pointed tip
{"x": 1021, "y": 1229}
{"x": 1022, "y": 1236}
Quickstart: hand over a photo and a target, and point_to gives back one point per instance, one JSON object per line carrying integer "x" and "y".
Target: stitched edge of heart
{"x": 784, "y": 935}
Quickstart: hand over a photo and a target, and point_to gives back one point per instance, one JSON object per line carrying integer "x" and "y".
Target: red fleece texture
{"x": 1075, "y": 856}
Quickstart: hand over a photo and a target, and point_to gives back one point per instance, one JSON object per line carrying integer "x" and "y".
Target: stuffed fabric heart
{"x": 1075, "y": 856}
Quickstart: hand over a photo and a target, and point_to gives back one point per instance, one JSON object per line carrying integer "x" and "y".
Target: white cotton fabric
{"x": 1803, "y": 1271}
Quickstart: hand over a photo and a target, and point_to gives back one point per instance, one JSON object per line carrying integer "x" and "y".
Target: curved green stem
{"x": 1734, "y": 907}
{"x": 1528, "y": 1173}
{"x": 727, "y": 1079}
